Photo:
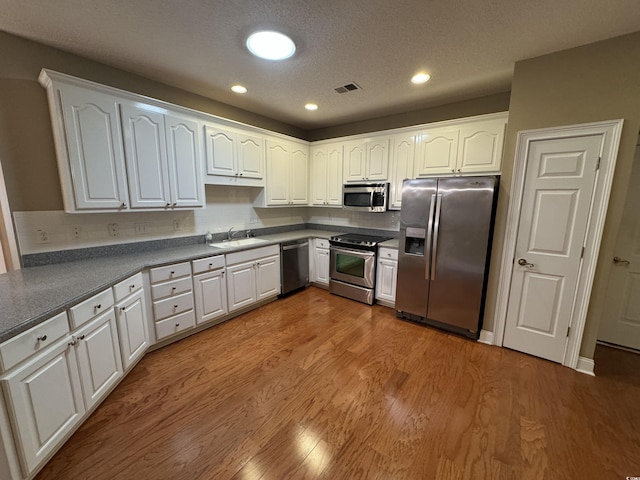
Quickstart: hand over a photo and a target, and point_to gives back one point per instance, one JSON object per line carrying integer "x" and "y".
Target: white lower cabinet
{"x": 320, "y": 261}
{"x": 387, "y": 276}
{"x": 210, "y": 289}
{"x": 131, "y": 314}
{"x": 44, "y": 403}
{"x": 172, "y": 297}
{"x": 253, "y": 275}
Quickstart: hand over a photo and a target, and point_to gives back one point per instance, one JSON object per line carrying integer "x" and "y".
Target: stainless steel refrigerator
{"x": 443, "y": 253}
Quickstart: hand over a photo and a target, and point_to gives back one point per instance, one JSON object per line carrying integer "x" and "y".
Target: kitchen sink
{"x": 237, "y": 243}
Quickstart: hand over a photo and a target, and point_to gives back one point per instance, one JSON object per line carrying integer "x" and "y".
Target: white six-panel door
{"x": 559, "y": 184}
{"x": 620, "y": 324}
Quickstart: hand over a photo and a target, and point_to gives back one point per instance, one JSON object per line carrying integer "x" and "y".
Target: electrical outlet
{"x": 113, "y": 229}
{"x": 42, "y": 236}
{"x": 76, "y": 231}
{"x": 140, "y": 228}
{"x": 177, "y": 225}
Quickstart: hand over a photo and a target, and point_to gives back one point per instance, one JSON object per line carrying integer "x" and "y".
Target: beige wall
{"x": 600, "y": 81}
{"x": 26, "y": 143}
{"x": 477, "y": 106}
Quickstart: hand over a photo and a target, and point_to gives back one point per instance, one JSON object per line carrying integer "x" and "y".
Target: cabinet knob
{"x": 81, "y": 337}
{"x": 167, "y": 205}
{"x": 124, "y": 205}
{"x": 122, "y": 309}
{"x": 42, "y": 338}
{"x": 98, "y": 306}
{"x": 459, "y": 170}
{"x": 177, "y": 324}
{"x": 132, "y": 286}
{"x": 172, "y": 272}
{"x": 210, "y": 265}
{"x": 236, "y": 174}
{"x": 222, "y": 274}
{"x": 174, "y": 204}
{"x": 72, "y": 343}
{"x": 175, "y": 306}
{"x": 173, "y": 289}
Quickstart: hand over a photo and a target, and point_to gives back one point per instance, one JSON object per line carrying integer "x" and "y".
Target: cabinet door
{"x": 184, "y": 157}
{"x": 278, "y": 173}
{"x": 250, "y": 150}
{"x": 403, "y": 152}
{"x": 437, "y": 152}
{"x": 146, "y": 156}
{"x": 299, "y": 175}
{"x": 355, "y": 155}
{"x": 378, "y": 159}
{"x": 268, "y": 277}
{"x": 334, "y": 175}
{"x": 132, "y": 326}
{"x": 95, "y": 150}
{"x": 322, "y": 266}
{"x": 220, "y": 151}
{"x": 99, "y": 359}
{"x": 45, "y": 402}
{"x": 318, "y": 177}
{"x": 481, "y": 147}
{"x": 386, "y": 280}
{"x": 210, "y": 290}
{"x": 241, "y": 285}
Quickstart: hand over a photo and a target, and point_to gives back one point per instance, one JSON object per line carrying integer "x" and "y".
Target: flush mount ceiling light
{"x": 239, "y": 89}
{"x": 419, "y": 78}
{"x": 271, "y": 45}
{"x": 311, "y": 106}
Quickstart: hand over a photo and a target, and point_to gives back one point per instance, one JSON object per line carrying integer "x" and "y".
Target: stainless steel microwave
{"x": 366, "y": 197}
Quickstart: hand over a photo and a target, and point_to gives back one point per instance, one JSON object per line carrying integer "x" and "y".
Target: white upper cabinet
{"x": 162, "y": 152}
{"x": 236, "y": 156}
{"x": 366, "y": 160}
{"x": 326, "y": 175}
{"x": 403, "y": 151}
{"x": 467, "y": 147}
{"x": 480, "y": 147}
{"x": 287, "y": 174}
{"x": 91, "y": 160}
{"x": 98, "y": 132}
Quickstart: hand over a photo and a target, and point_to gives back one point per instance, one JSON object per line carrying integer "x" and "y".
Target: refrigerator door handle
{"x": 436, "y": 229}
{"x": 427, "y": 254}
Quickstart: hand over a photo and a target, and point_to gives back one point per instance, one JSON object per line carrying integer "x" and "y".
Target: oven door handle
{"x": 362, "y": 253}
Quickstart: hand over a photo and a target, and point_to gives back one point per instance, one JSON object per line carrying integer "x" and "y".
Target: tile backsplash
{"x": 227, "y": 207}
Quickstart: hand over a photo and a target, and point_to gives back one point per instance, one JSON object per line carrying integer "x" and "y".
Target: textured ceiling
{"x": 468, "y": 46}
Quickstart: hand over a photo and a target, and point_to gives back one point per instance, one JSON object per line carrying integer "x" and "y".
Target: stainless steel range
{"x": 353, "y": 266}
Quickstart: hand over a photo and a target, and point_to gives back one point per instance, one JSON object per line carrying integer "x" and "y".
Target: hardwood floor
{"x": 315, "y": 386}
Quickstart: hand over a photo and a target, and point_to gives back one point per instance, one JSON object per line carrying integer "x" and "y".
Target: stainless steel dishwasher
{"x": 294, "y": 258}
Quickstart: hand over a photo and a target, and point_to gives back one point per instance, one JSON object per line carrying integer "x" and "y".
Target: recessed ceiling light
{"x": 420, "y": 78}
{"x": 270, "y": 45}
{"x": 311, "y": 106}
{"x": 239, "y": 89}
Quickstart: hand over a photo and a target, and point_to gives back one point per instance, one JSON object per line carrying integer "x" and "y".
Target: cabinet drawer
{"x": 388, "y": 253}
{"x": 127, "y": 287}
{"x": 175, "y": 324}
{"x": 172, "y": 306}
{"x": 35, "y": 339}
{"x": 253, "y": 254}
{"x": 162, "y": 274}
{"x": 171, "y": 289}
{"x": 208, "y": 264}
{"x": 85, "y": 311}
{"x": 322, "y": 243}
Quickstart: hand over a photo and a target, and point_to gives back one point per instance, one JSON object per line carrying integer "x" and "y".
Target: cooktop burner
{"x": 357, "y": 239}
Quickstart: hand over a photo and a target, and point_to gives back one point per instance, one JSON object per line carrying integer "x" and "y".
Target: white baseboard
{"x": 586, "y": 366}
{"x": 486, "y": 337}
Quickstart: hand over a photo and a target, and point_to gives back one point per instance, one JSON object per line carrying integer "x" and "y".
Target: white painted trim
{"x": 611, "y": 130}
{"x": 586, "y": 365}
{"x": 486, "y": 337}
{"x": 8, "y": 245}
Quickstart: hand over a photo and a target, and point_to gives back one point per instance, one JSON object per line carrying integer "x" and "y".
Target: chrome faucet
{"x": 231, "y": 234}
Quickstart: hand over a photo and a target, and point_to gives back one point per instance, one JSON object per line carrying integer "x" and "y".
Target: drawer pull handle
{"x": 43, "y": 338}
{"x": 210, "y": 265}
{"x": 98, "y": 306}
{"x": 177, "y": 324}
{"x": 172, "y": 272}
{"x": 132, "y": 286}
{"x": 175, "y": 306}
{"x": 173, "y": 289}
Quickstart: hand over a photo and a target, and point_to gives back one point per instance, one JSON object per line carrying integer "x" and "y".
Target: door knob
{"x": 620, "y": 261}
{"x": 524, "y": 263}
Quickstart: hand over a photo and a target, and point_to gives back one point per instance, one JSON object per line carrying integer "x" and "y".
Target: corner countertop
{"x": 32, "y": 295}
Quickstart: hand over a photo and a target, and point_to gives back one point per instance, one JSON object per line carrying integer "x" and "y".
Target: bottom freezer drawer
{"x": 354, "y": 292}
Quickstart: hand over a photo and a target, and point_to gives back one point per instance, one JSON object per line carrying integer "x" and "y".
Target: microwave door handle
{"x": 427, "y": 255}
{"x": 436, "y": 231}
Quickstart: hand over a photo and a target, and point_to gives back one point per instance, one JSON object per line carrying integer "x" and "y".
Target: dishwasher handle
{"x": 295, "y": 245}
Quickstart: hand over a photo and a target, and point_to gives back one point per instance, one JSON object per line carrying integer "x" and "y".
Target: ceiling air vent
{"x": 349, "y": 87}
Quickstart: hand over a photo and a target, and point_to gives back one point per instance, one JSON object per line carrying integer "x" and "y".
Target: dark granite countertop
{"x": 32, "y": 295}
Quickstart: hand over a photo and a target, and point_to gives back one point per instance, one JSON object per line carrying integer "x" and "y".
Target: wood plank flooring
{"x": 315, "y": 386}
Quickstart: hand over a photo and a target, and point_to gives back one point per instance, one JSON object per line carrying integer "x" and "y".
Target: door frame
{"x": 612, "y": 131}
{"x": 8, "y": 245}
